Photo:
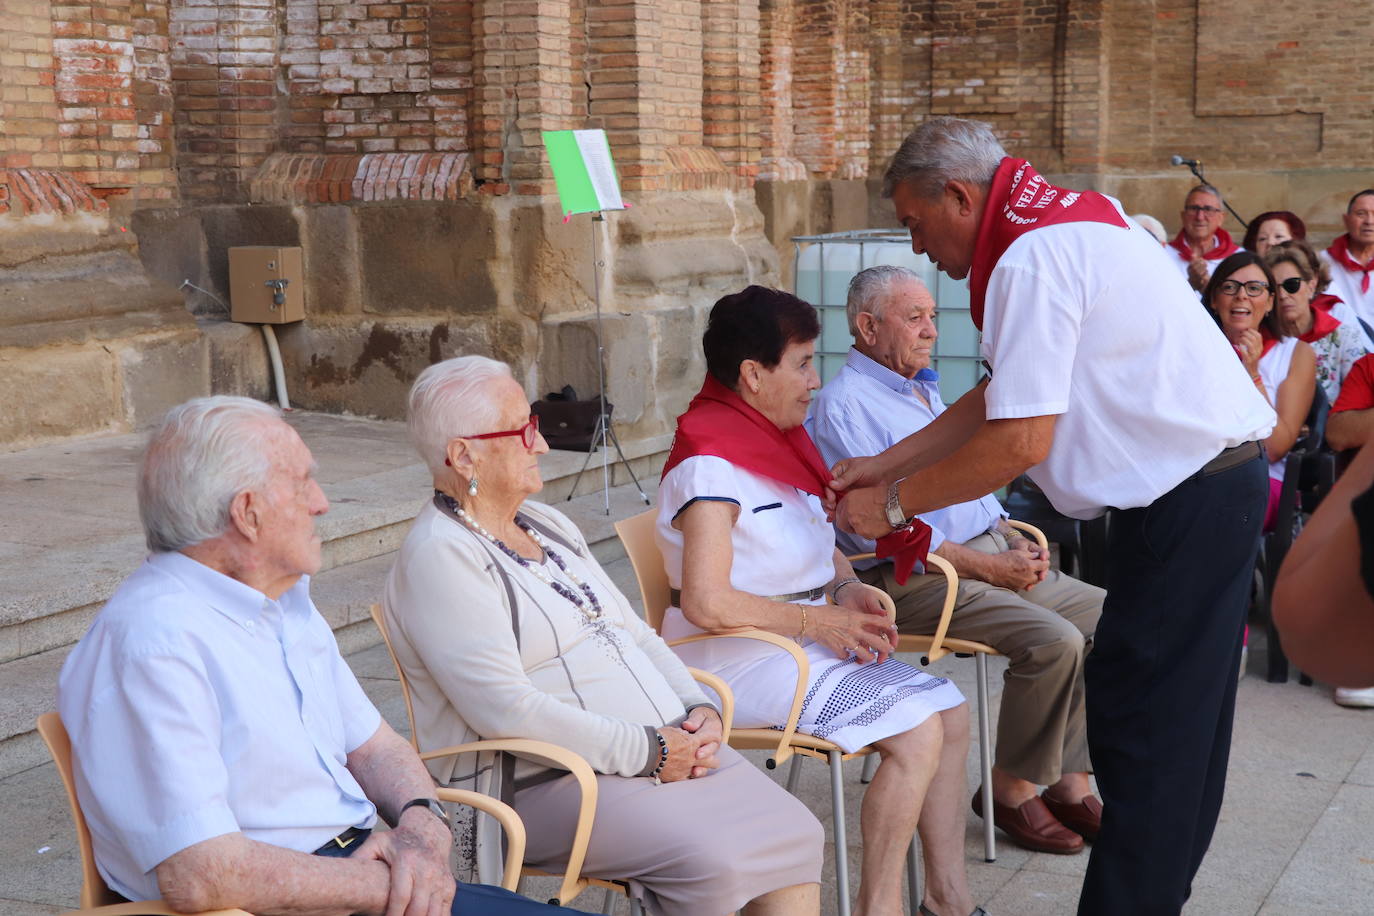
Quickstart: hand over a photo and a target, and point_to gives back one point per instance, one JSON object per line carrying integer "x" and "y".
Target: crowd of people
{"x": 225, "y": 755}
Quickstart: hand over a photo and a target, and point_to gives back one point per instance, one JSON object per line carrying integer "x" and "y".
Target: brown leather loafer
{"x": 1032, "y": 826}
{"x": 1084, "y": 818}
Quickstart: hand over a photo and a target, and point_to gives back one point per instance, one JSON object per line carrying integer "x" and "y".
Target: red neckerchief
{"x": 1323, "y": 323}
{"x": 1018, "y": 201}
{"x": 1270, "y": 341}
{"x": 718, "y": 422}
{"x": 1223, "y": 248}
{"x": 1340, "y": 253}
{"x": 1325, "y": 302}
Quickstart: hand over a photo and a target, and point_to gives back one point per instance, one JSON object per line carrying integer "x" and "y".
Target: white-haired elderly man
{"x": 1116, "y": 394}
{"x": 224, "y": 753}
{"x": 1041, "y": 619}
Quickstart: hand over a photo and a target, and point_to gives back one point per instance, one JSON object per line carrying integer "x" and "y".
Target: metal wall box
{"x": 259, "y": 275}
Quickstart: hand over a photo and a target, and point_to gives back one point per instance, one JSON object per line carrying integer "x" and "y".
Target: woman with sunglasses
{"x": 507, "y": 627}
{"x": 1241, "y": 297}
{"x": 1336, "y": 343}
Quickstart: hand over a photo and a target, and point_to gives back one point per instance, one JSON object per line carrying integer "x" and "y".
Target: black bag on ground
{"x": 566, "y": 422}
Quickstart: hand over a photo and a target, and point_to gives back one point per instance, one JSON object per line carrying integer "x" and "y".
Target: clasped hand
{"x": 692, "y": 747}
{"x": 416, "y": 851}
{"x": 859, "y": 626}
{"x": 1021, "y": 566}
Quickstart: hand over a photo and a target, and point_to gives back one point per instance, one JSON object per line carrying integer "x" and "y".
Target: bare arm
{"x": 1349, "y": 428}
{"x": 1293, "y": 401}
{"x": 1017, "y": 568}
{"x": 1321, "y": 605}
{"x": 709, "y": 600}
{"x": 997, "y": 452}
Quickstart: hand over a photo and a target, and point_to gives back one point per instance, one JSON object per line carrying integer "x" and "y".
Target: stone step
{"x": 72, "y": 534}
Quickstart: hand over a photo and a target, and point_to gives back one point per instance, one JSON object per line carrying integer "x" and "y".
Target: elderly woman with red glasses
{"x": 1284, "y": 368}
{"x": 507, "y": 627}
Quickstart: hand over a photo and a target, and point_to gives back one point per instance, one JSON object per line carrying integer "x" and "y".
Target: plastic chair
{"x": 786, "y": 742}
{"x": 96, "y": 896}
{"x": 552, "y": 755}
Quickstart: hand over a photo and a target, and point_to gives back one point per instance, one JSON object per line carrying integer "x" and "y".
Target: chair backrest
{"x": 380, "y": 621}
{"x": 637, "y": 534}
{"x": 94, "y": 890}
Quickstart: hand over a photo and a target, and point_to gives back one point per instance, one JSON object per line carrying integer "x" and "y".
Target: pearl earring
{"x": 472, "y": 487}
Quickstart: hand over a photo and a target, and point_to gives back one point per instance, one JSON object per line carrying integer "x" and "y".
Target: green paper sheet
{"x": 583, "y": 170}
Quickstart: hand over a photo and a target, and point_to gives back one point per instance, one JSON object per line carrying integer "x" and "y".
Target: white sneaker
{"x": 1361, "y": 697}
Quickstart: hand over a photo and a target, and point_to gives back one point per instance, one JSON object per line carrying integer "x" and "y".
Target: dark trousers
{"x": 1161, "y": 686}
{"x": 471, "y": 899}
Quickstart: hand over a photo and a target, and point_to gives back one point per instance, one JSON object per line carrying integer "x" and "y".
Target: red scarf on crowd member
{"x": 1340, "y": 253}
{"x": 1018, "y": 201}
{"x": 1325, "y": 302}
{"x": 718, "y": 422}
{"x": 1225, "y": 247}
{"x": 1323, "y": 323}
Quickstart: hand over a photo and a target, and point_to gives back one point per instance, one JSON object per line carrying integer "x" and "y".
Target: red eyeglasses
{"x": 526, "y": 432}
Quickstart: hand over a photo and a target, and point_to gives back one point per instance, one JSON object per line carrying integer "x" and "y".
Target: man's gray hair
{"x": 1205, "y": 188}
{"x": 449, "y": 400}
{"x": 941, "y": 150}
{"x": 204, "y": 453}
{"x": 868, "y": 292}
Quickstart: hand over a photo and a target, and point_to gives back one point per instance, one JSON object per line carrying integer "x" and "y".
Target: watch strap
{"x": 432, "y": 804}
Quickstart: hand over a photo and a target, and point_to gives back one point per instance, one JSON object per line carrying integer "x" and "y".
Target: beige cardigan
{"x": 448, "y": 608}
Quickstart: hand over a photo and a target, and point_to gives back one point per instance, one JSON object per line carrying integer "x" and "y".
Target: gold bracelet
{"x": 803, "y": 624}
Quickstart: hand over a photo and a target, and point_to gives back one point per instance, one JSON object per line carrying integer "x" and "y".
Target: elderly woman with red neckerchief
{"x": 1335, "y": 342}
{"x": 1241, "y": 297}
{"x": 746, "y": 543}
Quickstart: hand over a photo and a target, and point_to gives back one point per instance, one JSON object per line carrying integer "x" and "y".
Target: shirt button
{"x": 248, "y": 624}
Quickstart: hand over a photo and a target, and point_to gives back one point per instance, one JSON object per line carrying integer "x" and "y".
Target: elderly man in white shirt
{"x": 1116, "y": 394}
{"x": 218, "y": 737}
{"x": 1041, "y": 619}
{"x": 1351, "y": 257}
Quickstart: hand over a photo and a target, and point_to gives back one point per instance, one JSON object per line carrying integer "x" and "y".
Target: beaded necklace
{"x": 582, "y": 602}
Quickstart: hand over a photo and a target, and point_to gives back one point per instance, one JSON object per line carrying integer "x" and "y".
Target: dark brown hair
{"x": 1239, "y": 261}
{"x": 755, "y": 323}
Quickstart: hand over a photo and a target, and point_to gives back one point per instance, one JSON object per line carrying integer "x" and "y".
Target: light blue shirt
{"x": 865, "y": 409}
{"x": 198, "y": 707}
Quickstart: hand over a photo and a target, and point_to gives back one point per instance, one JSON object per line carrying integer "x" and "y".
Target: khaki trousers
{"x": 1045, "y": 632}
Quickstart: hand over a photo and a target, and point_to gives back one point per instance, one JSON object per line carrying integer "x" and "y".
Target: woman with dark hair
{"x": 746, "y": 543}
{"x": 1284, "y": 368}
{"x": 1272, "y": 228}
{"x": 1335, "y": 344}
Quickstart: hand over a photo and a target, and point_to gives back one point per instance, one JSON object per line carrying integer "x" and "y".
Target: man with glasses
{"x": 1351, "y": 257}
{"x": 1117, "y": 394}
{"x": 1201, "y": 244}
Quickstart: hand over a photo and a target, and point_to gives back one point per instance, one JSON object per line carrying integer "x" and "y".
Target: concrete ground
{"x": 1296, "y": 835}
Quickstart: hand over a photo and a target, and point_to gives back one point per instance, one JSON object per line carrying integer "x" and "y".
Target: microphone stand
{"x": 1196, "y": 168}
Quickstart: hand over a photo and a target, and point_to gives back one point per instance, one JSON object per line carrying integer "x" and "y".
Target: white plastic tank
{"x": 826, "y": 263}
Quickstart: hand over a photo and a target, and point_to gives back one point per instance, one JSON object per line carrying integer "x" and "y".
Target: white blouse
{"x": 1273, "y": 369}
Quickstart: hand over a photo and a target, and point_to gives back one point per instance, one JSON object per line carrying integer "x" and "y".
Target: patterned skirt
{"x": 846, "y": 702}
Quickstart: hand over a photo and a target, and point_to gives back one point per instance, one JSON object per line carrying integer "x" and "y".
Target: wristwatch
{"x": 895, "y": 516}
{"x": 435, "y": 808}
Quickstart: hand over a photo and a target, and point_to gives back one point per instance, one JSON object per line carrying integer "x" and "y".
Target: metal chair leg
{"x": 913, "y": 879}
{"x": 841, "y": 839}
{"x": 870, "y": 767}
{"x": 793, "y": 774}
{"x": 608, "y": 901}
{"x": 636, "y": 909}
{"x": 985, "y": 757}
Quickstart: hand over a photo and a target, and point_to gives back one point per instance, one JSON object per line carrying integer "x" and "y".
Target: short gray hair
{"x": 1205, "y": 188}
{"x": 447, "y": 400}
{"x": 204, "y": 453}
{"x": 868, "y": 291}
{"x": 941, "y": 150}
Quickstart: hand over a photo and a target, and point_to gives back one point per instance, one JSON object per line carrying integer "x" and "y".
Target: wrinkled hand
{"x": 865, "y": 598}
{"x": 1017, "y": 568}
{"x": 1197, "y": 273}
{"x": 864, "y": 512}
{"x": 1021, "y": 542}
{"x": 704, "y": 724}
{"x": 847, "y": 632}
{"x": 682, "y": 753}
{"x": 416, "y": 851}
{"x": 851, "y": 473}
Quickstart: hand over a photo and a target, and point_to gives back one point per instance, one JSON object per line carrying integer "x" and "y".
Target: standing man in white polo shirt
{"x": 1351, "y": 257}
{"x": 1117, "y": 394}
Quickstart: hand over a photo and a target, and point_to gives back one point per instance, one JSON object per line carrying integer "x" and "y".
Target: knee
{"x": 1056, "y": 643}
{"x": 955, "y": 723}
{"x": 920, "y": 745}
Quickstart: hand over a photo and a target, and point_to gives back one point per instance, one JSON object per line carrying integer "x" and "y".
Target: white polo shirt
{"x": 1090, "y": 322}
{"x": 1345, "y": 285}
{"x": 199, "y": 707}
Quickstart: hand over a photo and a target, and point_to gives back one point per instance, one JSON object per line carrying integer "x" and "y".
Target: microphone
{"x": 1176, "y": 159}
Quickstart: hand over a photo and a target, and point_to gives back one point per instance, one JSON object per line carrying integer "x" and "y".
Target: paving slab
{"x": 1333, "y": 871}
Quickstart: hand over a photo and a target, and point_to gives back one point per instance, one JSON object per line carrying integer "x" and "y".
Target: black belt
{"x": 1231, "y": 458}
{"x": 344, "y": 840}
{"x": 811, "y": 594}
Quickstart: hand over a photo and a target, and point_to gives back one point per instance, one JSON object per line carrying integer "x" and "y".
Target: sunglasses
{"x": 1291, "y": 285}
{"x": 526, "y": 432}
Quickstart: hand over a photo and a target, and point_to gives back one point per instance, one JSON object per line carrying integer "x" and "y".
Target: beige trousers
{"x": 1045, "y": 632}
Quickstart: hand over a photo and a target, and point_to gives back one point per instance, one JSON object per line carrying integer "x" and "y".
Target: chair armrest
{"x": 784, "y": 749}
{"x": 937, "y": 651}
{"x": 727, "y": 697}
{"x": 506, "y": 817}
{"x": 554, "y": 756}
{"x": 1035, "y": 533}
{"x": 146, "y": 908}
